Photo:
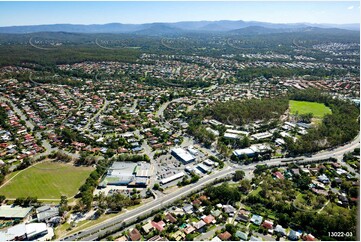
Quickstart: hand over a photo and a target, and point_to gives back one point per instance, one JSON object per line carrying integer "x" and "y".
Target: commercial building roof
{"x": 14, "y": 211}
{"x": 231, "y": 136}
{"x": 253, "y": 149}
{"x": 144, "y": 169}
{"x": 246, "y": 151}
{"x": 45, "y": 212}
{"x": 263, "y": 135}
{"x": 204, "y": 168}
{"x": 122, "y": 169}
{"x": 209, "y": 162}
{"x": 182, "y": 154}
{"x": 34, "y": 229}
{"x": 23, "y": 231}
{"x": 172, "y": 178}
{"x": 192, "y": 150}
{"x": 239, "y": 132}
{"x": 141, "y": 181}
{"x": 120, "y": 173}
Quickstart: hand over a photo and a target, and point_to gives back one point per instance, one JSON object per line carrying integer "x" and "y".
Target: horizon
{"x": 248, "y": 21}
{"x": 99, "y": 13}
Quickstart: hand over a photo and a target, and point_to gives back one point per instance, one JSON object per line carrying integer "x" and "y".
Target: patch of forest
{"x": 336, "y": 129}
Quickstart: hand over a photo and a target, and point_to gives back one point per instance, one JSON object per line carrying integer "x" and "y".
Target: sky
{"x": 35, "y": 13}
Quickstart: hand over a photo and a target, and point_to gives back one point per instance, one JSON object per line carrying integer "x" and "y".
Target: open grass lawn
{"x": 47, "y": 180}
{"x": 318, "y": 109}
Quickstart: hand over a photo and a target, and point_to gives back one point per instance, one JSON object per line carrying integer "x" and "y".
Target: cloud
{"x": 350, "y": 8}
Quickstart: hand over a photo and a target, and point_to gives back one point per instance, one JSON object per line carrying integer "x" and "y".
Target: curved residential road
{"x": 100, "y": 111}
{"x": 165, "y": 105}
{"x": 111, "y": 224}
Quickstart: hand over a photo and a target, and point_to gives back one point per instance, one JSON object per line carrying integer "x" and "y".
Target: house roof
{"x": 189, "y": 229}
{"x": 254, "y": 239}
{"x": 157, "y": 238}
{"x": 216, "y": 213}
{"x": 216, "y": 239}
{"x": 208, "y": 219}
{"x": 268, "y": 224}
{"x": 203, "y": 198}
{"x": 134, "y": 235}
{"x": 147, "y": 227}
{"x": 123, "y": 238}
{"x": 197, "y": 201}
{"x": 229, "y": 209}
{"x": 292, "y": 234}
{"x": 309, "y": 237}
{"x": 188, "y": 208}
{"x": 241, "y": 235}
{"x": 242, "y": 217}
{"x": 245, "y": 212}
{"x": 279, "y": 175}
{"x": 158, "y": 225}
{"x": 256, "y": 219}
{"x": 169, "y": 217}
{"x": 179, "y": 235}
{"x": 225, "y": 236}
{"x": 199, "y": 224}
{"x": 280, "y": 229}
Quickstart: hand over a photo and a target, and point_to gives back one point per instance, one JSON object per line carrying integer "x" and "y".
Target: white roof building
{"x": 246, "y": 151}
{"x": 192, "y": 150}
{"x": 239, "y": 132}
{"x": 263, "y": 135}
{"x": 231, "y": 136}
{"x": 172, "y": 178}
{"x": 23, "y": 231}
{"x": 252, "y": 150}
{"x": 183, "y": 155}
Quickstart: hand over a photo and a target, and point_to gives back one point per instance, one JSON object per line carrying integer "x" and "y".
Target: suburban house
{"x": 134, "y": 235}
{"x": 256, "y": 219}
{"x": 225, "y": 236}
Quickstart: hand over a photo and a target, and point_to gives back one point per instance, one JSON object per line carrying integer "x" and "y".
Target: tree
{"x": 156, "y": 186}
{"x": 2, "y": 199}
{"x": 238, "y": 175}
{"x": 306, "y": 118}
{"x": 245, "y": 142}
{"x": 63, "y": 205}
{"x": 223, "y": 193}
{"x": 208, "y": 210}
{"x": 303, "y": 182}
{"x": 231, "y": 228}
{"x": 157, "y": 217}
{"x": 353, "y": 191}
{"x": 194, "y": 178}
{"x": 245, "y": 185}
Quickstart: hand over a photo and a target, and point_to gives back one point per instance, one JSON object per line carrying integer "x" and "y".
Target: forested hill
{"x": 194, "y": 26}
{"x": 241, "y": 112}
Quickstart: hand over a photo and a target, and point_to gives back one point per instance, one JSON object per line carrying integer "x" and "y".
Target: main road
{"x": 130, "y": 216}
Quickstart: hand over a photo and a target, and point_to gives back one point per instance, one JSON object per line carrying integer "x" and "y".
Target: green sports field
{"x": 47, "y": 180}
{"x": 318, "y": 109}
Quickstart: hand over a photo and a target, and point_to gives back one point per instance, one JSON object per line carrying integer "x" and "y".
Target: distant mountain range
{"x": 174, "y": 28}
